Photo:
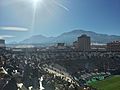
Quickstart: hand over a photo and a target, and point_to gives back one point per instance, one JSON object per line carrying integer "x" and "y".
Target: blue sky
{"x": 54, "y": 17}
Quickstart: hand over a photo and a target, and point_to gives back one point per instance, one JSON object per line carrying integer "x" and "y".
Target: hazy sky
{"x": 18, "y": 19}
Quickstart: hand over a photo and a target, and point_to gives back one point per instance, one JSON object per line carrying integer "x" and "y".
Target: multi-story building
{"x": 2, "y": 43}
{"x": 113, "y": 46}
{"x": 98, "y": 47}
{"x": 83, "y": 43}
{"x": 60, "y": 45}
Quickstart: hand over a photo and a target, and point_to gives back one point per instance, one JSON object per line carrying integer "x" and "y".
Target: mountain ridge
{"x": 70, "y": 37}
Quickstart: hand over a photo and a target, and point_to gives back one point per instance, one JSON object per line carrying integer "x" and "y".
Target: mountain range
{"x": 70, "y": 37}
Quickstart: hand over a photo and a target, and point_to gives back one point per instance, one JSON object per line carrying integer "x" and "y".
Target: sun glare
{"x": 35, "y": 3}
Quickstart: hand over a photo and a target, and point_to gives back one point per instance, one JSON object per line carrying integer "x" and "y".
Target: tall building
{"x": 113, "y": 46}
{"x": 83, "y": 43}
{"x": 2, "y": 43}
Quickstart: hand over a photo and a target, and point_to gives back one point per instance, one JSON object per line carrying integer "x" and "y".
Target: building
{"x": 2, "y": 43}
{"x": 75, "y": 44}
{"x": 113, "y": 46}
{"x": 61, "y": 45}
{"x": 83, "y": 43}
{"x": 98, "y": 47}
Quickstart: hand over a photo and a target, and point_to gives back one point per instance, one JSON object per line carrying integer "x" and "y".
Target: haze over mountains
{"x": 70, "y": 37}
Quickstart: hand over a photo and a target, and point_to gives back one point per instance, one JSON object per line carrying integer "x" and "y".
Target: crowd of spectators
{"x": 26, "y": 67}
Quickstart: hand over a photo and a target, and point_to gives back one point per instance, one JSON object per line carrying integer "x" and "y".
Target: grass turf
{"x": 111, "y": 83}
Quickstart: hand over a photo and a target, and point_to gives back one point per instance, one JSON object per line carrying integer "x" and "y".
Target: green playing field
{"x": 111, "y": 83}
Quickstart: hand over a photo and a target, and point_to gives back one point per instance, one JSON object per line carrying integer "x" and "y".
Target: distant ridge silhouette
{"x": 70, "y": 37}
